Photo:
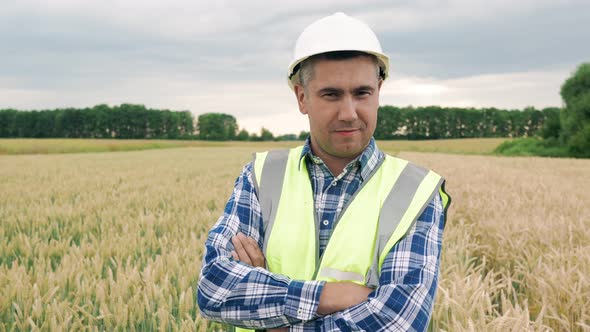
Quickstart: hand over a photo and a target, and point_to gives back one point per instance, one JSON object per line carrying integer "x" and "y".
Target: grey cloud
{"x": 537, "y": 39}
{"x": 171, "y": 53}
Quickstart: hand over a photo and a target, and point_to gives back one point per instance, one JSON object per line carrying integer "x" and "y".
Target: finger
{"x": 251, "y": 250}
{"x": 250, "y": 245}
{"x": 235, "y": 256}
{"x": 240, "y": 250}
{"x": 262, "y": 257}
{"x": 242, "y": 255}
{"x": 254, "y": 252}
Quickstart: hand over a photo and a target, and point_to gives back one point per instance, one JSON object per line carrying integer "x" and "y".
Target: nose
{"x": 347, "y": 111}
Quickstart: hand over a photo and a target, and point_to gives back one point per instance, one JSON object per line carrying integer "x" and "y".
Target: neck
{"x": 335, "y": 164}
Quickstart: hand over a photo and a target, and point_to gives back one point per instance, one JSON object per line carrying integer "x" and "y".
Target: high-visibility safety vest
{"x": 380, "y": 214}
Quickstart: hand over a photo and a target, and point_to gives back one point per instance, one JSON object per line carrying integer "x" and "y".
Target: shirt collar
{"x": 368, "y": 160}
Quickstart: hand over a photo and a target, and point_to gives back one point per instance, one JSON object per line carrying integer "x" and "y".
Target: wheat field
{"x": 9, "y": 146}
{"x": 105, "y": 241}
{"x": 79, "y": 145}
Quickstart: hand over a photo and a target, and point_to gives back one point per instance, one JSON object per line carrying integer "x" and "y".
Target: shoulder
{"x": 273, "y": 162}
{"x": 245, "y": 181}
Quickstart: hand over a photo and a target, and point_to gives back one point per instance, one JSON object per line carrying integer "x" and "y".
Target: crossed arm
{"x": 335, "y": 296}
{"x": 247, "y": 295}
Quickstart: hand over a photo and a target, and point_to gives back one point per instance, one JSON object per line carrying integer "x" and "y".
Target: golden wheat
{"x": 77, "y": 145}
{"x": 74, "y": 145}
{"x": 517, "y": 245}
{"x": 106, "y": 241}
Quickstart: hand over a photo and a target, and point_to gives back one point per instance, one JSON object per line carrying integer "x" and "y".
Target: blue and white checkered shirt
{"x": 241, "y": 295}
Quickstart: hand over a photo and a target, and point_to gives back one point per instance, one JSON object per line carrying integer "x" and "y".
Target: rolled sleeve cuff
{"x": 303, "y": 299}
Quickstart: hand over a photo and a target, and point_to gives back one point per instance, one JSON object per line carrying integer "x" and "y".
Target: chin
{"x": 348, "y": 152}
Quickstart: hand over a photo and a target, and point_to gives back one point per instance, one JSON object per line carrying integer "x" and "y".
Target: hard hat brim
{"x": 293, "y": 77}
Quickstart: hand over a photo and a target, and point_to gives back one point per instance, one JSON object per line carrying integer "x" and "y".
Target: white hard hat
{"x": 338, "y": 32}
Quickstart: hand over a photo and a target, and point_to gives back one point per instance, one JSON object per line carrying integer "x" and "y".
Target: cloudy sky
{"x": 232, "y": 56}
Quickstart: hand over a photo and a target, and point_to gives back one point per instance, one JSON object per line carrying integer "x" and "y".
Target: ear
{"x": 380, "y": 83}
{"x": 300, "y": 94}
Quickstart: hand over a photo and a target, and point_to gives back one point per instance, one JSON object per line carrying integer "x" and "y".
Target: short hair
{"x": 306, "y": 67}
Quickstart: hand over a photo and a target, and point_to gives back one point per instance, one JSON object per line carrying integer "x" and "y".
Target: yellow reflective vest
{"x": 381, "y": 212}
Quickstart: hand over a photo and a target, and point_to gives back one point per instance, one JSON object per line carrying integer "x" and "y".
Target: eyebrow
{"x": 340, "y": 91}
{"x": 364, "y": 88}
{"x": 330, "y": 90}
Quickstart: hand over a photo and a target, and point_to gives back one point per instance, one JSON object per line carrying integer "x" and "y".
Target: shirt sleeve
{"x": 407, "y": 284}
{"x": 236, "y": 293}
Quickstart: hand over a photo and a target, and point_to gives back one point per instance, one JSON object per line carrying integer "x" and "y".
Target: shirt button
{"x": 325, "y": 222}
{"x": 334, "y": 183}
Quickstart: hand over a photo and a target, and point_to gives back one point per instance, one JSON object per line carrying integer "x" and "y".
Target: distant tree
{"x": 517, "y": 122}
{"x": 187, "y": 123}
{"x": 575, "y": 117}
{"x": 44, "y": 124}
{"x": 217, "y": 126}
{"x": 388, "y": 122}
{"x": 286, "y": 137}
{"x": 134, "y": 121}
{"x": 171, "y": 121}
{"x": 24, "y": 123}
{"x": 303, "y": 135}
{"x": 155, "y": 125}
{"x": 551, "y": 125}
{"x": 243, "y": 135}
{"x": 102, "y": 122}
{"x": 8, "y": 123}
{"x": 266, "y": 135}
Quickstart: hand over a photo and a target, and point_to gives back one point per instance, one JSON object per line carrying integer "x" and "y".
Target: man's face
{"x": 341, "y": 101}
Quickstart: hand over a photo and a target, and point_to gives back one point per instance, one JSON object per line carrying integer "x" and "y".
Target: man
{"x": 333, "y": 235}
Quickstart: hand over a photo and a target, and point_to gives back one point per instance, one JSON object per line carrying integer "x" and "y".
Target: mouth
{"x": 346, "y": 131}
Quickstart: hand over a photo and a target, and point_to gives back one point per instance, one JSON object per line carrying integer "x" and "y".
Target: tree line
{"x": 434, "y": 122}
{"x": 101, "y": 121}
{"x": 137, "y": 121}
{"x": 224, "y": 127}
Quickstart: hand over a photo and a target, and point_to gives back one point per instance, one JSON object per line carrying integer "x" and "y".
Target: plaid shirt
{"x": 241, "y": 295}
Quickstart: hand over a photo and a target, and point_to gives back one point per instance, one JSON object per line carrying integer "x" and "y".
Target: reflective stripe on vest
{"x": 381, "y": 212}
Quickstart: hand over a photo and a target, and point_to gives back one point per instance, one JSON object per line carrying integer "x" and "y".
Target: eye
{"x": 330, "y": 95}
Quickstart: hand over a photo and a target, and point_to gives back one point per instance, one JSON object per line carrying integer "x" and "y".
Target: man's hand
{"x": 335, "y": 296}
{"x": 338, "y": 296}
{"x": 247, "y": 251}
